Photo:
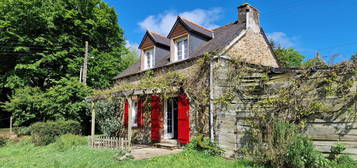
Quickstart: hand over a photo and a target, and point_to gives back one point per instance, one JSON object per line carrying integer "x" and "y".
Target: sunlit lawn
{"x": 25, "y": 154}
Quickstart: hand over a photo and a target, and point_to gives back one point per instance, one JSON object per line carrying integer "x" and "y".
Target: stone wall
{"x": 230, "y": 120}
{"x": 253, "y": 48}
{"x": 184, "y": 67}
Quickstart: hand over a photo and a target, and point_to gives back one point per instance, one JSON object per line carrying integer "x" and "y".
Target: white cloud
{"x": 282, "y": 39}
{"x": 132, "y": 46}
{"x": 162, "y": 23}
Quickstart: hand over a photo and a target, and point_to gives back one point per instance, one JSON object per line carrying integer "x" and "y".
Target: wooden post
{"x": 85, "y": 64}
{"x": 11, "y": 125}
{"x": 81, "y": 74}
{"x": 129, "y": 123}
{"x": 93, "y": 124}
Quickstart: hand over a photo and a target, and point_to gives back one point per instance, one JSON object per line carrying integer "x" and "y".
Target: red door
{"x": 139, "y": 116}
{"x": 126, "y": 112}
{"x": 183, "y": 119}
{"x": 155, "y": 118}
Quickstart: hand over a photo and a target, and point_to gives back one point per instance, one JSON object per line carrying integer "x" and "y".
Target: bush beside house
{"x": 44, "y": 133}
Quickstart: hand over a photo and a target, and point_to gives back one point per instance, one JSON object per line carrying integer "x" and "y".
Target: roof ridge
{"x": 195, "y": 24}
{"x": 157, "y": 34}
{"x": 225, "y": 25}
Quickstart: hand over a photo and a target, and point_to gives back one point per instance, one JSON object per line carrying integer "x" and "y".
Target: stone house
{"x": 177, "y": 119}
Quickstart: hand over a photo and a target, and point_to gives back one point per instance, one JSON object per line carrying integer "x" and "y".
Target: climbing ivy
{"x": 297, "y": 102}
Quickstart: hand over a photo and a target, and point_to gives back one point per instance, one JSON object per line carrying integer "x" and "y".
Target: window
{"x": 149, "y": 58}
{"x": 181, "y": 49}
{"x": 134, "y": 113}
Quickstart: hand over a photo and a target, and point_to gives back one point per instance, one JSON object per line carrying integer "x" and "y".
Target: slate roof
{"x": 160, "y": 39}
{"x": 157, "y": 38}
{"x": 222, "y": 36}
{"x": 194, "y": 27}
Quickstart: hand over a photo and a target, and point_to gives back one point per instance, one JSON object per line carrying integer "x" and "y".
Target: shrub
{"x": 68, "y": 141}
{"x": 271, "y": 147}
{"x": 344, "y": 159}
{"x": 200, "y": 143}
{"x": 302, "y": 154}
{"x": 44, "y": 133}
{"x": 22, "y": 131}
{"x": 335, "y": 151}
{"x": 3, "y": 141}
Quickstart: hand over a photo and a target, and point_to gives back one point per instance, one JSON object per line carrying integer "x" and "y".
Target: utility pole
{"x": 93, "y": 124}
{"x": 85, "y": 64}
{"x": 11, "y": 125}
{"x": 81, "y": 74}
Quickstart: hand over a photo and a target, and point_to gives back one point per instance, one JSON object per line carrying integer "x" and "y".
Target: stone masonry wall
{"x": 230, "y": 120}
{"x": 253, "y": 48}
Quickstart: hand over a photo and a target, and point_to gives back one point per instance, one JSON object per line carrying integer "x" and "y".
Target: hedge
{"x": 44, "y": 133}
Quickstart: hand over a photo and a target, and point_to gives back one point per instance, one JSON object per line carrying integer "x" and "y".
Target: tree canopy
{"x": 288, "y": 57}
{"x": 42, "y": 47}
{"x": 354, "y": 58}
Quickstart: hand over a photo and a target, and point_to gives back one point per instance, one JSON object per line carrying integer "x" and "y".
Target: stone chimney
{"x": 249, "y": 16}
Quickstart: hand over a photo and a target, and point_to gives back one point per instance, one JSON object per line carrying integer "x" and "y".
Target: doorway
{"x": 171, "y": 118}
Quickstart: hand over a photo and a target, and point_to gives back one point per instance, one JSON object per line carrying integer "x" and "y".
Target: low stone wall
{"x": 230, "y": 120}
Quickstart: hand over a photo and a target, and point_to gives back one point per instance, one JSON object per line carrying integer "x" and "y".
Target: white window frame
{"x": 184, "y": 55}
{"x": 169, "y": 135}
{"x": 134, "y": 113}
{"x": 151, "y": 64}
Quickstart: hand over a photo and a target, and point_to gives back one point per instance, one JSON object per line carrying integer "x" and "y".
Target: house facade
{"x": 177, "y": 118}
{"x": 178, "y": 52}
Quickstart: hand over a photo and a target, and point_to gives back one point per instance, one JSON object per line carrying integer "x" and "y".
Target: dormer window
{"x": 149, "y": 58}
{"x": 181, "y": 49}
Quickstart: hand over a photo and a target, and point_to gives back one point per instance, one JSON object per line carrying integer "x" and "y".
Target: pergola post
{"x": 93, "y": 124}
{"x": 129, "y": 122}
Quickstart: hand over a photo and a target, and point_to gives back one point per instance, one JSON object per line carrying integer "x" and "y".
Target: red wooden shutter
{"x": 126, "y": 113}
{"x": 155, "y": 118}
{"x": 140, "y": 113}
{"x": 183, "y": 119}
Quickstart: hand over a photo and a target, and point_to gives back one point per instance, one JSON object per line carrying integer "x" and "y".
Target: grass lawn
{"x": 25, "y": 154}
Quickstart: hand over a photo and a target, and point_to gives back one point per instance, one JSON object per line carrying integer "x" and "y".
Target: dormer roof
{"x": 156, "y": 38}
{"x": 223, "y": 36}
{"x": 191, "y": 27}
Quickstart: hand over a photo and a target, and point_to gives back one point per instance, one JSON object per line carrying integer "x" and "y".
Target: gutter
{"x": 211, "y": 106}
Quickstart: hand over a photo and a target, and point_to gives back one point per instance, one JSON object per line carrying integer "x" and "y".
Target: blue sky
{"x": 306, "y": 25}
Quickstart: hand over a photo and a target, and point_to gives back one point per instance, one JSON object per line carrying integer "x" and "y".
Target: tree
{"x": 287, "y": 57}
{"x": 42, "y": 42}
{"x": 354, "y": 58}
{"x": 63, "y": 101}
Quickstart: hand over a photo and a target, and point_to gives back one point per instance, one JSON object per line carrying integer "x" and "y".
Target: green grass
{"x": 26, "y": 155}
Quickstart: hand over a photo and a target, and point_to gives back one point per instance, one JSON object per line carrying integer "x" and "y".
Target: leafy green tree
{"x": 287, "y": 57}
{"x": 42, "y": 42}
{"x": 354, "y": 58}
{"x": 63, "y": 101}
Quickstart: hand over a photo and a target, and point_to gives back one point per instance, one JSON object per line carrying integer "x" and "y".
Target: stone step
{"x": 167, "y": 146}
{"x": 169, "y": 141}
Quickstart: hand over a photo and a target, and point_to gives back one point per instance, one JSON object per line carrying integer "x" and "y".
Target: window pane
{"x": 149, "y": 59}
{"x": 179, "y": 50}
{"x": 185, "y": 47}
